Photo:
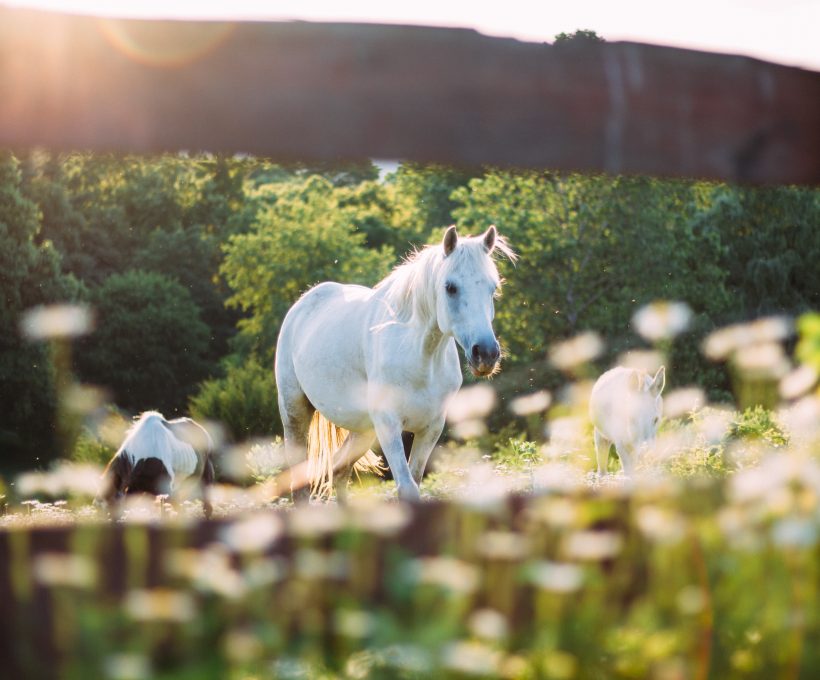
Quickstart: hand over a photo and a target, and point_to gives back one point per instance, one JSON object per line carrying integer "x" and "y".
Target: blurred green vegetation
{"x": 696, "y": 576}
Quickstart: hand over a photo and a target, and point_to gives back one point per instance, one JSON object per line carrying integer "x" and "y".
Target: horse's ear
{"x": 450, "y": 240}
{"x": 659, "y": 381}
{"x": 489, "y": 238}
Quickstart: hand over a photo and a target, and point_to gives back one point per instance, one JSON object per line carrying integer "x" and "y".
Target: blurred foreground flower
{"x": 315, "y": 520}
{"x": 503, "y": 545}
{"x": 160, "y": 604}
{"x": 483, "y": 489}
{"x": 354, "y": 623}
{"x": 242, "y": 646}
{"x": 577, "y": 351}
{"x": 62, "y": 569}
{"x": 468, "y": 407}
{"x": 648, "y": 360}
{"x": 798, "y": 382}
{"x": 488, "y": 624}
{"x": 683, "y": 401}
{"x": 557, "y": 577}
{"x": 84, "y": 399}
{"x": 66, "y": 479}
{"x": 127, "y": 667}
{"x": 592, "y": 545}
{"x": 447, "y": 572}
{"x": 567, "y": 435}
{"x": 662, "y": 320}
{"x": 762, "y": 361}
{"x": 472, "y": 658}
{"x": 209, "y": 570}
{"x": 254, "y": 533}
{"x": 537, "y": 402}
{"x": 57, "y": 321}
{"x": 558, "y": 477}
{"x": 721, "y": 344}
{"x": 475, "y": 401}
{"x": 660, "y": 524}
{"x": 378, "y": 517}
{"x": 802, "y": 418}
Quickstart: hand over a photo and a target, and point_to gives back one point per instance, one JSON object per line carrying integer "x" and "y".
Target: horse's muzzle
{"x": 483, "y": 359}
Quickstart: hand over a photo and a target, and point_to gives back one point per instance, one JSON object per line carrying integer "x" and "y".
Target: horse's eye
{"x": 451, "y": 288}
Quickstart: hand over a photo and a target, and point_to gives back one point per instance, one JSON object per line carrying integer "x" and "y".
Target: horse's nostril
{"x": 494, "y": 353}
{"x": 476, "y": 353}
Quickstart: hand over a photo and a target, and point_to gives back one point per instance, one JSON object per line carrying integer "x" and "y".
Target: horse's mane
{"x": 410, "y": 289}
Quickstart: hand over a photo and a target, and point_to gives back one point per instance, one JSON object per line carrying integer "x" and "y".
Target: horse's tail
{"x": 324, "y": 439}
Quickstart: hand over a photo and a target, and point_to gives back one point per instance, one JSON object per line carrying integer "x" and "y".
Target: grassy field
{"x": 520, "y": 563}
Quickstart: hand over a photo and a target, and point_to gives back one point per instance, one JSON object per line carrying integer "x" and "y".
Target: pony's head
{"x": 647, "y": 417}
{"x": 452, "y": 286}
{"x": 466, "y": 284}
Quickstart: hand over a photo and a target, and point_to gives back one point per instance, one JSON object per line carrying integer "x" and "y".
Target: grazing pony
{"x": 625, "y": 407}
{"x": 157, "y": 456}
{"x": 356, "y": 364}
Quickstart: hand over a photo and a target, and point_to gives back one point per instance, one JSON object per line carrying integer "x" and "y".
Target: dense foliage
{"x": 149, "y": 344}
{"x": 30, "y": 275}
{"x": 191, "y": 263}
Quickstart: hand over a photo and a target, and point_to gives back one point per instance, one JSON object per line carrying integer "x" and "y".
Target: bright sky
{"x": 783, "y": 31}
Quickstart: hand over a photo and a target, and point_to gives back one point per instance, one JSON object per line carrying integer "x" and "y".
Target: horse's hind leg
{"x": 296, "y": 412}
{"x": 354, "y": 447}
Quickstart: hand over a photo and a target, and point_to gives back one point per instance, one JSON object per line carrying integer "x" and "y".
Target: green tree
{"x": 98, "y": 210}
{"x": 303, "y": 238}
{"x": 580, "y": 36}
{"x": 774, "y": 246}
{"x": 30, "y": 275}
{"x": 422, "y": 196}
{"x": 149, "y": 344}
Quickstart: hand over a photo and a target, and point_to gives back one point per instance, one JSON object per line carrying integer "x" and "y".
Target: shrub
{"x": 758, "y": 423}
{"x": 90, "y": 448}
{"x": 244, "y": 401}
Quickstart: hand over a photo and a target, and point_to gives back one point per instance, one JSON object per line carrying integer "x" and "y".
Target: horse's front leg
{"x": 423, "y": 443}
{"x": 388, "y": 429}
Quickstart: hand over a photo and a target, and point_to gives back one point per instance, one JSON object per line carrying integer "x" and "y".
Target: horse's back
{"x": 617, "y": 403}
{"x": 316, "y": 307}
{"x": 191, "y": 432}
{"x": 609, "y": 394}
{"x": 153, "y": 438}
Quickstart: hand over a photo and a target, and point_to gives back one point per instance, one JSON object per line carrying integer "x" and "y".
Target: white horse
{"x": 625, "y": 406}
{"x": 377, "y": 361}
{"x": 158, "y": 455}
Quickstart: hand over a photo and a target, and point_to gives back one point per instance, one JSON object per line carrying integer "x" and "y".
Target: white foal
{"x": 625, "y": 407}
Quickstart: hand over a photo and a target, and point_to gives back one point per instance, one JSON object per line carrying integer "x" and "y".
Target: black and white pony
{"x": 157, "y": 457}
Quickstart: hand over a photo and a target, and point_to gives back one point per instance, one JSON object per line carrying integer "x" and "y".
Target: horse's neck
{"x": 424, "y": 336}
{"x": 434, "y": 342}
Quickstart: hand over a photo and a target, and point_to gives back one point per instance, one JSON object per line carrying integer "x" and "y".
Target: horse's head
{"x": 647, "y": 416}
{"x": 466, "y": 287}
